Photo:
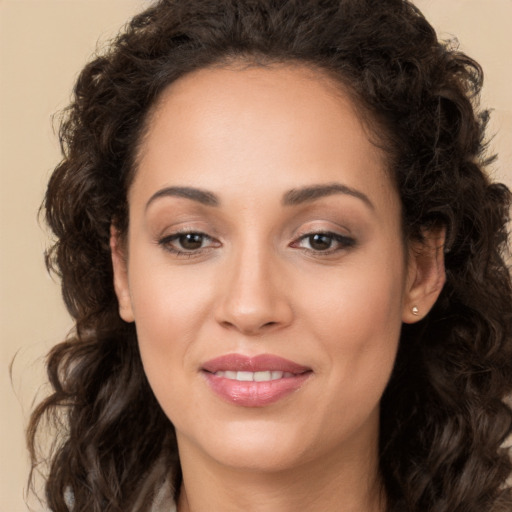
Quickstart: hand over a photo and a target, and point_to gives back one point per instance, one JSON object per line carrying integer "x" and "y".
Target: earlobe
{"x": 120, "y": 268}
{"x": 426, "y": 275}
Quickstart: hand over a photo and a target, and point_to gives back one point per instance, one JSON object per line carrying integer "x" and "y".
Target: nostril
{"x": 253, "y": 328}
{"x": 251, "y": 311}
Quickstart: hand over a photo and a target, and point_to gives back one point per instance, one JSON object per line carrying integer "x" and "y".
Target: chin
{"x": 253, "y": 447}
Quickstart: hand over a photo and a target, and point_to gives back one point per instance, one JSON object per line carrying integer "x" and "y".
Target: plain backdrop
{"x": 43, "y": 46}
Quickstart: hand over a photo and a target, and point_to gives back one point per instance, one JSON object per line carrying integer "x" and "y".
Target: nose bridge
{"x": 253, "y": 296}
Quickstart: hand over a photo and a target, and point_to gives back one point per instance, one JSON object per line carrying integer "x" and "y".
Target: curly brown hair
{"x": 444, "y": 414}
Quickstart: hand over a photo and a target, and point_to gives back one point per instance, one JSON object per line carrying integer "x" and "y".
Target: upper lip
{"x": 259, "y": 363}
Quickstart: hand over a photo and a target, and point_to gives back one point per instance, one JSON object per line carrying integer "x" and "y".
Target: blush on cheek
{"x": 363, "y": 332}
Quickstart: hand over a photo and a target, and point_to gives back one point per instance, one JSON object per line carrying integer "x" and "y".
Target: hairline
{"x": 337, "y": 84}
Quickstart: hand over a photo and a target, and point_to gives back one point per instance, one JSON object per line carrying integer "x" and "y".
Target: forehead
{"x": 277, "y": 125}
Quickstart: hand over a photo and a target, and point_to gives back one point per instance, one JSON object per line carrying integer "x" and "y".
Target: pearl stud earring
{"x": 415, "y": 310}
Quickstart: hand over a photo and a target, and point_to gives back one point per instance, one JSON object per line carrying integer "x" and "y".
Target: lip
{"x": 252, "y": 393}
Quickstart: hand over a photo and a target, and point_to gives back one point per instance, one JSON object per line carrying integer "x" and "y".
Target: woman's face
{"x": 265, "y": 271}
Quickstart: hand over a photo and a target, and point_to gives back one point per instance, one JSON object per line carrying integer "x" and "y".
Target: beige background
{"x": 43, "y": 45}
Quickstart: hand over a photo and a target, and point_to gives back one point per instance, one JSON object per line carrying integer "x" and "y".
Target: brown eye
{"x": 188, "y": 243}
{"x": 191, "y": 241}
{"x": 320, "y": 241}
{"x": 324, "y": 243}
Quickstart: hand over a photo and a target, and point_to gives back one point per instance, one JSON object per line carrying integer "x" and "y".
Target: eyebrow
{"x": 311, "y": 193}
{"x": 293, "y": 197}
{"x": 195, "y": 194}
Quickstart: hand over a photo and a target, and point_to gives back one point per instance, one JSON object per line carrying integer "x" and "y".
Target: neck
{"x": 329, "y": 484}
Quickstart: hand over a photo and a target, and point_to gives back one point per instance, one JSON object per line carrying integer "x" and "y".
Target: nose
{"x": 254, "y": 297}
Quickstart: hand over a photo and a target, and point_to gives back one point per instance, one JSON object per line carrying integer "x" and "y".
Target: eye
{"x": 324, "y": 242}
{"x": 188, "y": 243}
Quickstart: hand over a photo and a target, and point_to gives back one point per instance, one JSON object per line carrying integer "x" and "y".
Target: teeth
{"x": 254, "y": 376}
{"x": 263, "y": 376}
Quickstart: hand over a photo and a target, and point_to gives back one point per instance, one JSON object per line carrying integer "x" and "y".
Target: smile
{"x": 254, "y": 381}
{"x": 264, "y": 376}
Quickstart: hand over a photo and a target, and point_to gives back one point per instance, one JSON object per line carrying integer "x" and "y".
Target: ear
{"x": 425, "y": 274}
{"x": 119, "y": 264}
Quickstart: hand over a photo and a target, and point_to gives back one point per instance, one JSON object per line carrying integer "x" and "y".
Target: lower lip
{"x": 254, "y": 394}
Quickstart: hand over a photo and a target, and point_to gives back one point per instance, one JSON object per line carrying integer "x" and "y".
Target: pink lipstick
{"x": 254, "y": 381}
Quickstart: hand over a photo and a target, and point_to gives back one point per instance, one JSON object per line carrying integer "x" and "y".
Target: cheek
{"x": 360, "y": 298}
{"x": 168, "y": 315}
{"x": 167, "y": 298}
{"x": 170, "y": 307}
{"x": 357, "y": 319}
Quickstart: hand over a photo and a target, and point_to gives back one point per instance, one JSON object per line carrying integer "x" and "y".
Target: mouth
{"x": 264, "y": 376}
{"x": 254, "y": 381}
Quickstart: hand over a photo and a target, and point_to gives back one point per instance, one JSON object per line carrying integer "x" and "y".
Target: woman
{"x": 285, "y": 263}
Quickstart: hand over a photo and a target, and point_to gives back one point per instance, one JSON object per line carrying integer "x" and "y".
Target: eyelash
{"x": 344, "y": 243}
{"x": 166, "y": 243}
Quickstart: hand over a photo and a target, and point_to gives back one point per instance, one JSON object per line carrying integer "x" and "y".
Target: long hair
{"x": 444, "y": 414}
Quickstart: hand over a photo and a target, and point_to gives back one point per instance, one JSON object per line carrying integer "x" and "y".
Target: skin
{"x": 259, "y": 285}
